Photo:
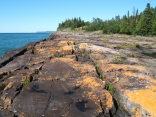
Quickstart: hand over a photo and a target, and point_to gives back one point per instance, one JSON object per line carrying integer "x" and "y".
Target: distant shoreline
{"x": 28, "y": 32}
{"x": 45, "y": 31}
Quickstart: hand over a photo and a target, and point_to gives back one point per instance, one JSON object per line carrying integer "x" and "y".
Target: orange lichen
{"x": 109, "y": 100}
{"x": 130, "y": 73}
{"x": 152, "y": 80}
{"x": 145, "y": 98}
{"x": 96, "y": 99}
{"x": 83, "y": 46}
{"x": 109, "y": 67}
{"x": 41, "y": 50}
{"x": 67, "y": 49}
{"x": 11, "y": 77}
{"x": 70, "y": 42}
{"x": 137, "y": 112}
{"x": 152, "y": 87}
{"x": 87, "y": 68}
{"x": 62, "y": 43}
{"x": 90, "y": 82}
{"x": 67, "y": 60}
{"x": 8, "y": 86}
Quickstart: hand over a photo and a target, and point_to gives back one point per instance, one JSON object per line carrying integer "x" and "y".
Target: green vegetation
{"x": 131, "y": 55}
{"x": 96, "y": 65}
{"x": 132, "y": 46}
{"x": 119, "y": 59}
{"x": 55, "y": 78}
{"x": 149, "y": 46}
{"x": 134, "y": 24}
{"x": 71, "y": 23}
{"x": 75, "y": 43}
{"x": 146, "y": 65}
{"x": 101, "y": 77}
{"x": 137, "y": 46}
{"x": 26, "y": 81}
{"x": 86, "y": 54}
{"x": 150, "y": 54}
{"x": 97, "y": 70}
{"x": 119, "y": 104}
{"x": 105, "y": 41}
{"x": 110, "y": 88}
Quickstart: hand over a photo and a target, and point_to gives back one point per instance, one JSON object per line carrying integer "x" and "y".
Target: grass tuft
{"x": 105, "y": 41}
{"x": 119, "y": 59}
{"x": 27, "y": 81}
{"x": 110, "y": 88}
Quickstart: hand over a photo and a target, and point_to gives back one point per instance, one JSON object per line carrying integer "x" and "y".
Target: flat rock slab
{"x": 6, "y": 113}
{"x": 45, "y": 84}
{"x": 134, "y": 86}
{"x": 55, "y": 99}
{"x": 68, "y": 75}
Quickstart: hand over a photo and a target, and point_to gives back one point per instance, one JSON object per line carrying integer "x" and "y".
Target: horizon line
{"x": 30, "y": 32}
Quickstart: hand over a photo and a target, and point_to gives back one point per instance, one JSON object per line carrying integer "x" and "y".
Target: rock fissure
{"x": 48, "y": 102}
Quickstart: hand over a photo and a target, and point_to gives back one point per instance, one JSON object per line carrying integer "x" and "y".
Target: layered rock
{"x": 47, "y": 80}
{"x": 77, "y": 75}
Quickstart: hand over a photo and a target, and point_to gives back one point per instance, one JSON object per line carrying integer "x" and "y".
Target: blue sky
{"x": 44, "y": 15}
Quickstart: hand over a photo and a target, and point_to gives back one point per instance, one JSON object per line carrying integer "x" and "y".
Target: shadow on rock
{"x": 35, "y": 88}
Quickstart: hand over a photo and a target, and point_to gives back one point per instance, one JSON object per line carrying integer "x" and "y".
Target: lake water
{"x": 10, "y": 41}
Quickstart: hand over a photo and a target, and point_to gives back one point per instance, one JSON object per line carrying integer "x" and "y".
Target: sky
{"x": 45, "y": 15}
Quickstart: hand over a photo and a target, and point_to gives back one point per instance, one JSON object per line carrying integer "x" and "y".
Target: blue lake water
{"x": 10, "y": 41}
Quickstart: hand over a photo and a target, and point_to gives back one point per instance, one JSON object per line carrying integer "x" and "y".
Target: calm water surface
{"x": 10, "y": 41}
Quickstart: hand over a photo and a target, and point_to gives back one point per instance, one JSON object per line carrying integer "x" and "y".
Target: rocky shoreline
{"x": 79, "y": 75}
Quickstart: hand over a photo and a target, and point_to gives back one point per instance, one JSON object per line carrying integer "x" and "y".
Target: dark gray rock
{"x": 6, "y": 113}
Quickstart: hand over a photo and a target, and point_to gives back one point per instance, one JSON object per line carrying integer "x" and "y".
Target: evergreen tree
{"x": 123, "y": 25}
{"x": 154, "y": 21}
{"x": 144, "y": 26}
{"x": 154, "y": 28}
{"x": 105, "y": 27}
{"x": 141, "y": 26}
{"x": 137, "y": 17}
{"x": 148, "y": 19}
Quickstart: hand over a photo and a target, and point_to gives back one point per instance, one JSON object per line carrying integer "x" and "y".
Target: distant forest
{"x": 135, "y": 24}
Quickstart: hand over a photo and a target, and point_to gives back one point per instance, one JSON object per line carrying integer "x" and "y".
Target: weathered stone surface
{"x": 134, "y": 88}
{"x": 9, "y": 93}
{"x": 8, "y": 56}
{"x": 97, "y": 56}
{"x": 68, "y": 75}
{"x": 56, "y": 98}
{"x": 6, "y": 113}
{"x": 62, "y": 43}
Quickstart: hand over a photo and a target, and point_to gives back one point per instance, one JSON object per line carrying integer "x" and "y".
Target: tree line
{"x": 143, "y": 23}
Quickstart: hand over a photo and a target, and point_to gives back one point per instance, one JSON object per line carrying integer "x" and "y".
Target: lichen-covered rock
{"x": 78, "y": 75}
